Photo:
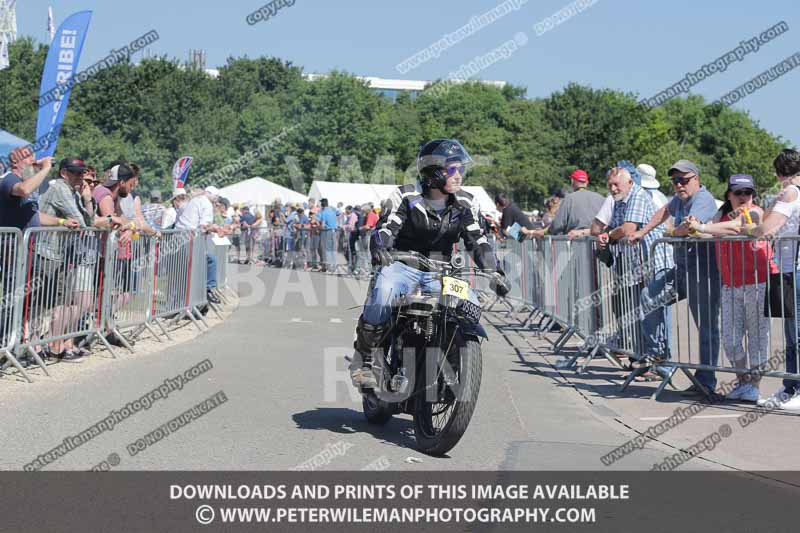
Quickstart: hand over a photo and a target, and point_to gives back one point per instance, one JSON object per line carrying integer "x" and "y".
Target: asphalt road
{"x": 279, "y": 360}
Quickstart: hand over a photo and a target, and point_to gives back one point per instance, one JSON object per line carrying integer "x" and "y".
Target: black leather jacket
{"x": 415, "y": 226}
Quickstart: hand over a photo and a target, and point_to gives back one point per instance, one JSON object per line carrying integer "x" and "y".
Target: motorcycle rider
{"x": 429, "y": 222}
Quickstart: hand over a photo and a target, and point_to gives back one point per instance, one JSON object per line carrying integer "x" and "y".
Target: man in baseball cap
{"x": 579, "y": 176}
{"x": 683, "y": 166}
{"x": 118, "y": 174}
{"x": 73, "y": 165}
{"x": 578, "y": 208}
{"x": 695, "y": 275}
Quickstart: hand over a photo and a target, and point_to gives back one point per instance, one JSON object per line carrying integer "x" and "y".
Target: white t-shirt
{"x": 169, "y": 217}
{"x": 786, "y": 250}
{"x": 196, "y": 213}
{"x": 606, "y": 211}
{"x": 659, "y": 200}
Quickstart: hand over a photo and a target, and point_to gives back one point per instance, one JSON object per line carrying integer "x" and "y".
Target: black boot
{"x": 369, "y": 339}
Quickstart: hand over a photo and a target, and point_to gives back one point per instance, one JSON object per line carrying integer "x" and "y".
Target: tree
{"x": 261, "y": 117}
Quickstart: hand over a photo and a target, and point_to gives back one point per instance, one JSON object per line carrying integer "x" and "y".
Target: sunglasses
{"x": 453, "y": 169}
{"x": 744, "y": 192}
{"x": 682, "y": 181}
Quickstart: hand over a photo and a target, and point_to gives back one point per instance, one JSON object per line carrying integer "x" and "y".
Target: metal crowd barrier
{"x": 728, "y": 327}
{"x": 11, "y": 273}
{"x": 171, "y": 265}
{"x": 128, "y": 291}
{"x": 63, "y": 286}
{"x": 712, "y": 309}
{"x": 197, "y": 276}
{"x": 221, "y": 253}
{"x": 575, "y": 293}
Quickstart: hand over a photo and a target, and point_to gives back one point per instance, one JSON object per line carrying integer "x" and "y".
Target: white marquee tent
{"x": 363, "y": 193}
{"x": 260, "y": 192}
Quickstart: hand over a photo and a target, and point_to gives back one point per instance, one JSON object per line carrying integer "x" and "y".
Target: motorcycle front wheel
{"x": 440, "y": 424}
{"x": 377, "y": 411}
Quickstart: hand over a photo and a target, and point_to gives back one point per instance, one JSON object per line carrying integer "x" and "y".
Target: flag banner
{"x": 4, "y": 61}
{"x": 180, "y": 172}
{"x": 51, "y": 27}
{"x": 59, "y": 68}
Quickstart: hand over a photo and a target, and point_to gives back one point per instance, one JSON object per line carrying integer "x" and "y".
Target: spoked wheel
{"x": 439, "y": 425}
{"x": 377, "y": 411}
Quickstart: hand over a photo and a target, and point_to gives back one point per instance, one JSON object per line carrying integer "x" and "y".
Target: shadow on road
{"x": 398, "y": 431}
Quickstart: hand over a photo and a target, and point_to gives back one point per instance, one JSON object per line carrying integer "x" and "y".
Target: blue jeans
{"x": 702, "y": 286}
{"x": 329, "y": 247}
{"x": 211, "y": 280}
{"x": 392, "y": 282}
{"x": 790, "y": 332}
{"x": 703, "y": 289}
{"x": 656, "y": 318}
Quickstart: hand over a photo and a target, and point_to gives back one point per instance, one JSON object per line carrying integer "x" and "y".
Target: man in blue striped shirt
{"x": 633, "y": 208}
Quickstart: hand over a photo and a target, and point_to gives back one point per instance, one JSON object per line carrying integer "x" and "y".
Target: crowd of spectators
{"x": 308, "y": 236}
{"x": 67, "y": 273}
{"x": 730, "y": 286}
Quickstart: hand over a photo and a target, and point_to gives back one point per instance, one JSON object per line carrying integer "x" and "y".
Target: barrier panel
{"x": 296, "y": 249}
{"x": 172, "y": 280}
{"x": 128, "y": 290}
{"x": 268, "y": 246}
{"x": 515, "y": 269}
{"x": 719, "y": 320}
{"x": 62, "y": 291}
{"x": 11, "y": 276}
{"x": 198, "y": 276}
{"x": 724, "y": 304}
{"x": 563, "y": 279}
{"x": 585, "y": 316}
{"x": 221, "y": 253}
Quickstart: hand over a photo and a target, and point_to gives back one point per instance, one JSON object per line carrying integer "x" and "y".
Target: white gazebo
{"x": 259, "y": 193}
{"x": 364, "y": 193}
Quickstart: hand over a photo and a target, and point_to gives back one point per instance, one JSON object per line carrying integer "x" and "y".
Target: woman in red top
{"x": 745, "y": 267}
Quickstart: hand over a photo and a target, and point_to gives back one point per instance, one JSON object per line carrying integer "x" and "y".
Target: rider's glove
{"x": 500, "y": 284}
{"x": 381, "y": 257}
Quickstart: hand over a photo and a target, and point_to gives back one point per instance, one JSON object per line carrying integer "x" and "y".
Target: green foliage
{"x": 260, "y": 117}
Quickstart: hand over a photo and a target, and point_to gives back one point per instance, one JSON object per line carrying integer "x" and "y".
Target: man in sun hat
{"x": 651, "y": 184}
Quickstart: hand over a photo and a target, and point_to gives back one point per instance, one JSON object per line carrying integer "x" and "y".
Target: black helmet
{"x": 434, "y": 158}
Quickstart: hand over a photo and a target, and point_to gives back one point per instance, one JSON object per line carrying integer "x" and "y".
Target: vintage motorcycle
{"x": 431, "y": 363}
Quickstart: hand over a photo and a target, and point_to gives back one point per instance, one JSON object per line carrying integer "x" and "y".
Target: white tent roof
{"x": 258, "y": 191}
{"x": 363, "y": 193}
{"x": 484, "y": 200}
{"x": 350, "y": 193}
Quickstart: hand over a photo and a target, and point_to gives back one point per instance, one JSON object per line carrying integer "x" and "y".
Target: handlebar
{"x": 426, "y": 264}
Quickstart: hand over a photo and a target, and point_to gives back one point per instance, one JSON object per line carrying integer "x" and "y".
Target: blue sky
{"x": 641, "y": 47}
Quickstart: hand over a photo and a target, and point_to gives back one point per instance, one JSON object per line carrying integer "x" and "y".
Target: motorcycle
{"x": 431, "y": 363}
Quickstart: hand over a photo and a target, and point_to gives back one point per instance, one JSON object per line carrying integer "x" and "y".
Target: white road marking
{"x": 336, "y": 320}
{"x": 659, "y": 418}
{"x": 300, "y": 321}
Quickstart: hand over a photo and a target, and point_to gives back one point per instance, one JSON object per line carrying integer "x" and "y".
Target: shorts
{"x": 45, "y": 287}
{"x": 83, "y": 278}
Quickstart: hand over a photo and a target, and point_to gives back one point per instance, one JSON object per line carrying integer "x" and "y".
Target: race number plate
{"x": 455, "y": 287}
